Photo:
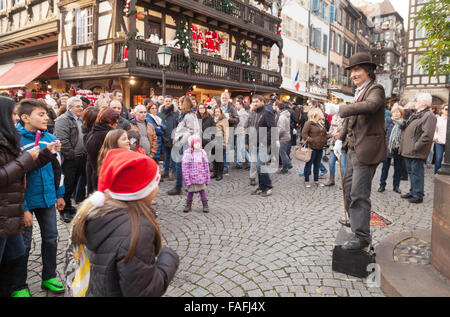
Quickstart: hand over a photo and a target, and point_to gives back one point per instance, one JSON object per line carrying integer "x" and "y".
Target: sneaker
{"x": 53, "y": 286}
{"x": 301, "y": 174}
{"x": 257, "y": 192}
{"x": 322, "y": 175}
{"x": 225, "y": 172}
{"x": 308, "y": 185}
{"x": 319, "y": 184}
{"x": 267, "y": 193}
{"x": 21, "y": 293}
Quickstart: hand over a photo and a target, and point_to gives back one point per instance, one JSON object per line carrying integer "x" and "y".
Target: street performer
{"x": 364, "y": 136}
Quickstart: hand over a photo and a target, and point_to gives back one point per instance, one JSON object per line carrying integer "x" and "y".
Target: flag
{"x": 297, "y": 83}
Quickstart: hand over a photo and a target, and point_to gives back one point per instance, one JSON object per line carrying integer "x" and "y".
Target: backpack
{"x": 76, "y": 270}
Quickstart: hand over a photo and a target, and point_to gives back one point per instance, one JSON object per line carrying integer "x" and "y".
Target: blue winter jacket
{"x": 159, "y": 134}
{"x": 40, "y": 183}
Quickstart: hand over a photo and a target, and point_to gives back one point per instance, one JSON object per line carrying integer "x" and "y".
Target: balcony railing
{"x": 204, "y": 67}
{"x": 242, "y": 11}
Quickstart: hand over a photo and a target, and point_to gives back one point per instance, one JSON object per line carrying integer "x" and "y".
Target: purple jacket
{"x": 195, "y": 167}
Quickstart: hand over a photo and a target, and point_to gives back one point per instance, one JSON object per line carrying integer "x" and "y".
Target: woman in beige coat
{"x": 221, "y": 138}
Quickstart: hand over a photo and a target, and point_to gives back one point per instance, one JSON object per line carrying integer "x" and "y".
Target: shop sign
{"x": 317, "y": 90}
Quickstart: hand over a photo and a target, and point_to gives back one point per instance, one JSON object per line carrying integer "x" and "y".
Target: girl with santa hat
{"x": 120, "y": 232}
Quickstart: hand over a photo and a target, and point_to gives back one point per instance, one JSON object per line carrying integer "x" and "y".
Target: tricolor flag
{"x": 297, "y": 83}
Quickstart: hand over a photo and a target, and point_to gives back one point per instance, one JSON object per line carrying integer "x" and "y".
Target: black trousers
{"x": 73, "y": 170}
{"x": 357, "y": 188}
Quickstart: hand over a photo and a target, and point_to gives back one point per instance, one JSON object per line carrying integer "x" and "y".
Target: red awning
{"x": 24, "y": 72}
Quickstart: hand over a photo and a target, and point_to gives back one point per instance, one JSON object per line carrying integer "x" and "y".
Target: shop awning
{"x": 342, "y": 96}
{"x": 303, "y": 93}
{"x": 24, "y": 72}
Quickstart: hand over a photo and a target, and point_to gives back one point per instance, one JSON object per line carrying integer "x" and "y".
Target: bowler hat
{"x": 360, "y": 58}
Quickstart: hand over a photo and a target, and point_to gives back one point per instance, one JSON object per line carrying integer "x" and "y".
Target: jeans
{"x": 286, "y": 161}
{"x": 11, "y": 248}
{"x": 241, "y": 152}
{"x": 168, "y": 160}
{"x": 397, "y": 171}
{"x": 46, "y": 218}
{"x": 322, "y": 167}
{"x": 72, "y": 170}
{"x": 332, "y": 163}
{"x": 357, "y": 188}
{"x": 416, "y": 177}
{"x": 316, "y": 158}
{"x": 228, "y": 156}
{"x": 440, "y": 148}
{"x": 264, "y": 181}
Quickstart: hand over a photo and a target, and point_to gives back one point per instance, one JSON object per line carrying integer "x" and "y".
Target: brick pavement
{"x": 255, "y": 246}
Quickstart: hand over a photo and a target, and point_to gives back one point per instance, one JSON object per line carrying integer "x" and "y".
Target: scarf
{"x": 414, "y": 116}
{"x": 395, "y": 137}
{"x": 156, "y": 119}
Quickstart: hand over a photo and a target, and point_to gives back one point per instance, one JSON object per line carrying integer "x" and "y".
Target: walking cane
{"x": 344, "y": 233}
{"x": 342, "y": 187}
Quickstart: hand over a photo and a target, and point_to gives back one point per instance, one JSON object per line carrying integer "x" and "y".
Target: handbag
{"x": 303, "y": 152}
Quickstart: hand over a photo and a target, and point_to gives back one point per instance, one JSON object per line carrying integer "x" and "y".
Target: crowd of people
{"x": 54, "y": 153}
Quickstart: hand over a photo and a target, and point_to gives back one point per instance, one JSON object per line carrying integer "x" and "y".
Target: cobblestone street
{"x": 255, "y": 246}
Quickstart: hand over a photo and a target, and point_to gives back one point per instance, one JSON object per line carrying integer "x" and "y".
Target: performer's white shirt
{"x": 360, "y": 90}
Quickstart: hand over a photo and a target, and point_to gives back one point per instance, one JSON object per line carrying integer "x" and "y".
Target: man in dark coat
{"x": 366, "y": 143}
{"x": 170, "y": 120}
{"x": 263, "y": 119}
{"x": 416, "y": 142}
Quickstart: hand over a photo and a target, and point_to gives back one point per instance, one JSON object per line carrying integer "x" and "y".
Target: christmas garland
{"x": 184, "y": 37}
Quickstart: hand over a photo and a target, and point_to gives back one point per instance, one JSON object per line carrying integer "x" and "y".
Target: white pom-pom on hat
{"x": 97, "y": 199}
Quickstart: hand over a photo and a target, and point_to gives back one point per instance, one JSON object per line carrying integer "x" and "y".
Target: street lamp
{"x": 164, "y": 55}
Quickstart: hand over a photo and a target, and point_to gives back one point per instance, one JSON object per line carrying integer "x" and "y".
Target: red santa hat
{"x": 127, "y": 175}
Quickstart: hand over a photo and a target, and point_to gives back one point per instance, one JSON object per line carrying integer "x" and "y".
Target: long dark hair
{"x": 7, "y": 127}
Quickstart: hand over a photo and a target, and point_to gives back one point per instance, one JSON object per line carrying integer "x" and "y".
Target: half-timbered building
{"x": 29, "y": 46}
{"x": 94, "y": 34}
{"x": 416, "y": 79}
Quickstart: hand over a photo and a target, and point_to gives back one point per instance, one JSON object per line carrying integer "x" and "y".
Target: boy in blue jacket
{"x": 44, "y": 190}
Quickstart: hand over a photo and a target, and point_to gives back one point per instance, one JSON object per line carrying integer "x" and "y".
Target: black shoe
{"x": 247, "y": 167}
{"x": 214, "y": 176}
{"x": 397, "y": 190}
{"x": 345, "y": 222}
{"x": 381, "y": 189}
{"x": 66, "y": 216}
{"x": 219, "y": 178}
{"x": 403, "y": 178}
{"x": 415, "y": 200}
{"x": 282, "y": 171}
{"x": 355, "y": 244}
{"x": 174, "y": 191}
{"x": 238, "y": 167}
{"x": 407, "y": 195}
{"x": 252, "y": 182}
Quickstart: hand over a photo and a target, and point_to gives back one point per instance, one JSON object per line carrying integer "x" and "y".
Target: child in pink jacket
{"x": 195, "y": 169}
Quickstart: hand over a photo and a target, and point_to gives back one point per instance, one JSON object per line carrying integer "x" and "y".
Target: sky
{"x": 401, "y": 6}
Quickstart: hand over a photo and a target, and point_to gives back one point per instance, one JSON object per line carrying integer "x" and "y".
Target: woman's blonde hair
{"x": 135, "y": 210}
{"x": 110, "y": 142}
{"x": 315, "y": 115}
{"x": 397, "y": 107}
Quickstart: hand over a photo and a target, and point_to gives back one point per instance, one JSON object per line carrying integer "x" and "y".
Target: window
{"x": 16, "y": 2}
{"x": 418, "y": 70}
{"x": 325, "y": 43}
{"x": 332, "y": 39}
{"x": 287, "y": 66}
{"x": 2, "y": 5}
{"x": 84, "y": 25}
{"x": 338, "y": 44}
{"x": 339, "y": 15}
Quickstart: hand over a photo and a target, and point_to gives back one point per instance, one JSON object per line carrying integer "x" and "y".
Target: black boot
{"x": 205, "y": 206}
{"x": 188, "y": 206}
{"x": 174, "y": 191}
